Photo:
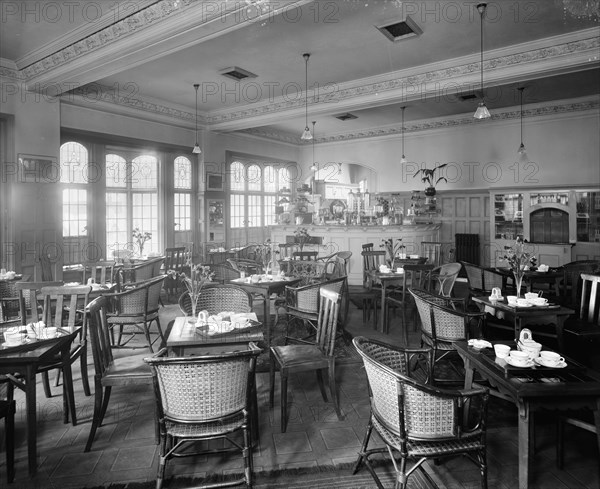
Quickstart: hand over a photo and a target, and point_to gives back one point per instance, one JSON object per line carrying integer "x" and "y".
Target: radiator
{"x": 467, "y": 248}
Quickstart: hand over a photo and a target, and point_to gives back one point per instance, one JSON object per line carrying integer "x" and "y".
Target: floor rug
{"x": 308, "y": 478}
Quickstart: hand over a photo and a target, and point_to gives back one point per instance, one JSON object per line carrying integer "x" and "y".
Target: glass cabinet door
{"x": 508, "y": 215}
{"x": 588, "y": 216}
{"x": 216, "y": 220}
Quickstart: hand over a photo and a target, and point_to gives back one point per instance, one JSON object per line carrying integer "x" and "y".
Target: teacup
{"x": 519, "y": 357}
{"x": 550, "y": 358}
{"x": 501, "y": 350}
{"x": 522, "y": 302}
{"x": 533, "y": 348}
{"x": 255, "y": 279}
{"x": 496, "y": 292}
{"x": 539, "y": 301}
{"x": 13, "y": 336}
{"x": 49, "y": 332}
{"x": 531, "y": 295}
{"x": 512, "y": 300}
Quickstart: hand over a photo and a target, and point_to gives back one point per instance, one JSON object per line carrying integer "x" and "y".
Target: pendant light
{"x": 522, "y": 152}
{"x": 314, "y": 166}
{"x": 482, "y": 111}
{"x": 403, "y": 160}
{"x": 196, "y": 149}
{"x": 306, "y": 135}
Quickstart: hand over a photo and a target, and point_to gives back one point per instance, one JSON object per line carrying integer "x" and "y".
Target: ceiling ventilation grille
{"x": 466, "y": 96}
{"x": 346, "y": 117}
{"x": 236, "y": 73}
{"x": 399, "y": 31}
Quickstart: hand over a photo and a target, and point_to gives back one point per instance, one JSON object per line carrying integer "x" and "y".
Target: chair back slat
{"x": 175, "y": 258}
{"x": 328, "y": 321}
{"x": 28, "y": 294}
{"x": 63, "y": 306}
{"x": 571, "y": 285}
{"x": 590, "y": 299}
{"x": 102, "y": 272}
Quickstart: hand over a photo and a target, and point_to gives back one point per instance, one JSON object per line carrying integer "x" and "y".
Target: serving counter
{"x": 335, "y": 238}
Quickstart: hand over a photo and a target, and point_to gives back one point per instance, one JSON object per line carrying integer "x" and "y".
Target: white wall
{"x": 563, "y": 150}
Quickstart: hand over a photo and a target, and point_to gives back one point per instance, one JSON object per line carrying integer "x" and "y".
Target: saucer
{"x": 522, "y": 305}
{"x": 541, "y": 362}
{"x": 499, "y": 298}
{"x": 512, "y": 363}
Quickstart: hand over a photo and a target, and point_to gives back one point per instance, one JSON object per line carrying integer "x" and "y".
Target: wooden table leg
{"x": 383, "y": 308}
{"x": 597, "y": 421}
{"x": 31, "y": 406}
{"x": 267, "y": 313}
{"x": 68, "y": 386}
{"x": 525, "y": 427}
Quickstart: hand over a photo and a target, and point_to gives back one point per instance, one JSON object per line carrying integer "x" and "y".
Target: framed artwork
{"x": 38, "y": 169}
{"x": 214, "y": 181}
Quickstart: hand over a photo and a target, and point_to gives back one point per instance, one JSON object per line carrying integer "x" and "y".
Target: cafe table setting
{"x": 534, "y": 378}
{"x": 386, "y": 277}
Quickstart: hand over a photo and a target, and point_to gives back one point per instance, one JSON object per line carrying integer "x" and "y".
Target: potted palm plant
{"x": 428, "y": 176}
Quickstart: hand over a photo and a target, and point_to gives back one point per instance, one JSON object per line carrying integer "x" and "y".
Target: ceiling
{"x": 152, "y": 52}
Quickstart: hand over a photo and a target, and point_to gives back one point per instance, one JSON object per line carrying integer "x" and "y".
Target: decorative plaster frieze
{"x": 467, "y": 119}
{"x": 428, "y": 82}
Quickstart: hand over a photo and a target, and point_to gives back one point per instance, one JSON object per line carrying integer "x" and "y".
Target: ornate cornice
{"x": 426, "y": 83}
{"x": 442, "y": 123}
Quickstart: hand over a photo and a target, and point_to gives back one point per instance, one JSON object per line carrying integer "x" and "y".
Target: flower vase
{"x": 518, "y": 281}
{"x": 194, "y": 316}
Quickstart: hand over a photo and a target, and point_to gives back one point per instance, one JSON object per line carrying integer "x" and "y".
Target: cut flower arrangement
{"x": 519, "y": 259}
{"x": 199, "y": 276}
{"x": 392, "y": 249}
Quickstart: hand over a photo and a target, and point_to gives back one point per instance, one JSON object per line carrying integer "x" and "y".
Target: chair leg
{"x": 84, "y": 372}
{"x": 247, "y": 453}
{"x": 363, "y": 448}
{"x": 333, "y": 389}
{"x": 46, "y": 384}
{"x": 321, "y": 384}
{"x": 147, "y": 334}
{"x": 284, "y": 382}
{"x": 98, "y": 412}
{"x": 162, "y": 462}
{"x": 272, "y": 381}
{"x": 9, "y": 424}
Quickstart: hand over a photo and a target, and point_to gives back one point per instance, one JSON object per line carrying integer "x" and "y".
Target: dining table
{"x": 22, "y": 361}
{"x": 551, "y": 277}
{"x": 265, "y": 285}
{"x": 185, "y": 338}
{"x": 522, "y": 316}
{"x": 531, "y": 389}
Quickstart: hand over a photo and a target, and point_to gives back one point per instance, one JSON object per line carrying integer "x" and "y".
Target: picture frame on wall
{"x": 214, "y": 181}
{"x": 38, "y": 168}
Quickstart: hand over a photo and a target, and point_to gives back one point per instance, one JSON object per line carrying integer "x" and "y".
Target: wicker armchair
{"x": 319, "y": 356}
{"x": 110, "y": 372}
{"x": 136, "y": 306}
{"x": 224, "y": 272}
{"x": 9, "y": 303}
{"x": 216, "y": 299}
{"x": 417, "y": 421}
{"x": 204, "y": 398}
{"x": 249, "y": 267}
{"x": 444, "y": 277}
{"x": 308, "y": 271}
{"x": 442, "y": 324}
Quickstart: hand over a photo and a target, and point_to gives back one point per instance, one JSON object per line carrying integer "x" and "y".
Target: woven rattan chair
{"x": 417, "y": 421}
{"x": 216, "y": 299}
{"x": 137, "y": 306}
{"x": 205, "y": 398}
{"x": 416, "y": 276}
{"x": 109, "y": 372}
{"x": 249, "y": 267}
{"x": 224, "y": 272}
{"x": 481, "y": 280}
{"x": 444, "y": 277}
{"x": 7, "y": 412}
{"x": 319, "y": 356}
{"x": 308, "y": 271}
{"x": 442, "y": 324}
{"x": 145, "y": 271}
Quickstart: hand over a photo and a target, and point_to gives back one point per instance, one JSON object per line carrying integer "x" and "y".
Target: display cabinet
{"x": 588, "y": 216}
{"x": 216, "y": 220}
{"x": 508, "y": 215}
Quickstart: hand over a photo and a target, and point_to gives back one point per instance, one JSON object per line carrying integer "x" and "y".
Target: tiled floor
{"x": 124, "y": 448}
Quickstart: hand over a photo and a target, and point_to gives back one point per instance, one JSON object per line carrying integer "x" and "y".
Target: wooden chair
{"x": 305, "y": 255}
{"x": 336, "y": 264}
{"x": 204, "y": 398}
{"x": 320, "y": 356}
{"x": 584, "y": 330}
{"x": 415, "y": 420}
{"x": 40, "y": 301}
{"x": 442, "y": 324}
{"x": 9, "y": 302}
{"x": 110, "y": 372}
{"x": 371, "y": 261}
{"x": 432, "y": 250}
{"x": 302, "y": 305}
{"x": 571, "y": 285}
{"x": 7, "y": 412}
{"x": 216, "y": 299}
{"x": 136, "y": 306}
{"x": 175, "y": 260}
{"x": 417, "y": 276}
{"x": 482, "y": 280}
{"x": 102, "y": 272}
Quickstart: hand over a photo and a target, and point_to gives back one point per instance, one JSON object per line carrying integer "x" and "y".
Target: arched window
{"x": 73, "y": 163}
{"x": 182, "y": 197}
